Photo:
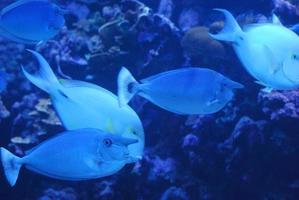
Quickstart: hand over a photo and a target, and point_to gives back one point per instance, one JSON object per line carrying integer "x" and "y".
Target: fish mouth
{"x": 133, "y": 159}
{"x": 127, "y": 155}
{"x": 127, "y": 141}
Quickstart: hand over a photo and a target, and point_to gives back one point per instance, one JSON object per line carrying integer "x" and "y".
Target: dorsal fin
{"x": 148, "y": 79}
{"x": 276, "y": 20}
{"x": 274, "y": 65}
{"x": 75, "y": 83}
{"x": 17, "y": 4}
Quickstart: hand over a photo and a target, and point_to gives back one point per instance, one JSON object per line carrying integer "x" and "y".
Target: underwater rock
{"x": 251, "y": 18}
{"x": 174, "y": 193}
{"x": 44, "y": 107}
{"x": 244, "y": 145}
{"x": 166, "y": 8}
{"x": 247, "y": 133}
{"x": 279, "y": 105}
{"x": 4, "y": 113}
{"x": 190, "y": 141}
{"x": 189, "y": 18}
{"x": 197, "y": 121}
{"x": 198, "y": 45}
{"x": 104, "y": 190}
{"x": 32, "y": 118}
{"x": 62, "y": 194}
{"x": 67, "y": 50}
{"x": 159, "y": 169}
{"x": 79, "y": 10}
{"x": 287, "y": 6}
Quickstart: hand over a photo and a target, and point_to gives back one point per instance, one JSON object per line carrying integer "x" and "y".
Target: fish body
{"x": 74, "y": 155}
{"x": 269, "y": 52}
{"x": 84, "y": 105}
{"x": 182, "y": 91}
{"x": 3, "y": 81}
{"x": 31, "y": 21}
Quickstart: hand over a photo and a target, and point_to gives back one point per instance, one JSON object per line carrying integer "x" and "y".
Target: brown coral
{"x": 198, "y": 43}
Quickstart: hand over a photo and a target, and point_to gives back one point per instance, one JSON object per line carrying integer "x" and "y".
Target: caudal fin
{"x": 231, "y": 31}
{"x": 11, "y": 165}
{"x": 127, "y": 86}
{"x": 45, "y": 78}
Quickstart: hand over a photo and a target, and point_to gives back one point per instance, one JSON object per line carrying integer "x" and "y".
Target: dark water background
{"x": 249, "y": 150}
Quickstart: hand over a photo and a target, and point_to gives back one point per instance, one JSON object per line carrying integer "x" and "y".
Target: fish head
{"x": 291, "y": 67}
{"x": 56, "y": 19}
{"x": 224, "y": 91}
{"x": 115, "y": 148}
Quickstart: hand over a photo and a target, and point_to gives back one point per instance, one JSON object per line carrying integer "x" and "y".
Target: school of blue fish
{"x": 103, "y": 133}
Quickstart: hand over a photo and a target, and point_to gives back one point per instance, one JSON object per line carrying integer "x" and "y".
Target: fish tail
{"x": 231, "y": 32}
{"x": 127, "y": 86}
{"x": 45, "y": 78}
{"x": 11, "y": 165}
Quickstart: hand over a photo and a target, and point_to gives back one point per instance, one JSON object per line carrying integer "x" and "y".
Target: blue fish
{"x": 81, "y": 104}
{"x": 31, "y": 21}
{"x": 74, "y": 155}
{"x": 182, "y": 91}
{"x": 268, "y": 51}
{"x": 3, "y": 81}
{"x": 295, "y": 28}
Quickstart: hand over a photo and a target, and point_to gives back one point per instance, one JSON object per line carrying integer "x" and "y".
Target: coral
{"x": 190, "y": 141}
{"x": 63, "y": 194}
{"x": 248, "y": 150}
{"x": 280, "y": 104}
{"x": 161, "y": 168}
{"x": 174, "y": 193}
{"x": 104, "y": 190}
{"x": 286, "y": 6}
{"x": 33, "y": 118}
{"x": 4, "y": 113}
{"x": 189, "y": 18}
{"x": 247, "y": 134}
{"x": 197, "y": 43}
{"x": 44, "y": 108}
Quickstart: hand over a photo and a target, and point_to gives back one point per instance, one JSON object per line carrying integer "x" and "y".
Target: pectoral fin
{"x": 211, "y": 102}
{"x": 291, "y": 70}
{"x": 267, "y": 89}
{"x": 260, "y": 83}
{"x": 274, "y": 65}
{"x": 133, "y": 159}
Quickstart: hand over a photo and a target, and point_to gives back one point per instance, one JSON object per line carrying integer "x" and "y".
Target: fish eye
{"x": 134, "y": 132}
{"x": 107, "y": 142}
{"x": 295, "y": 57}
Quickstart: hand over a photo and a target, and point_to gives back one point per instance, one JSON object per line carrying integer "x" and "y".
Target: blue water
{"x": 248, "y": 150}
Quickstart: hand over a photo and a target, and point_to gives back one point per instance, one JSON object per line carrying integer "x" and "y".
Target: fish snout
{"x": 133, "y": 159}
{"x": 127, "y": 141}
{"x": 232, "y": 84}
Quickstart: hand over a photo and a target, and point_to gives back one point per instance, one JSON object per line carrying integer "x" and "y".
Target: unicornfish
{"x": 183, "y": 91}
{"x": 74, "y": 155}
{"x": 268, "y": 51}
{"x": 31, "y": 21}
{"x": 81, "y": 104}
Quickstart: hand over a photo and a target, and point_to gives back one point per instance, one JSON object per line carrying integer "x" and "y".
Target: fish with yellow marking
{"x": 84, "y": 105}
{"x": 268, "y": 51}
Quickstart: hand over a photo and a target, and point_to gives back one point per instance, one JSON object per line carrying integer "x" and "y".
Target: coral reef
{"x": 249, "y": 150}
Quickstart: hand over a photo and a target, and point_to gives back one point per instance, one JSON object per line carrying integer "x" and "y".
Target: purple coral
{"x": 280, "y": 104}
